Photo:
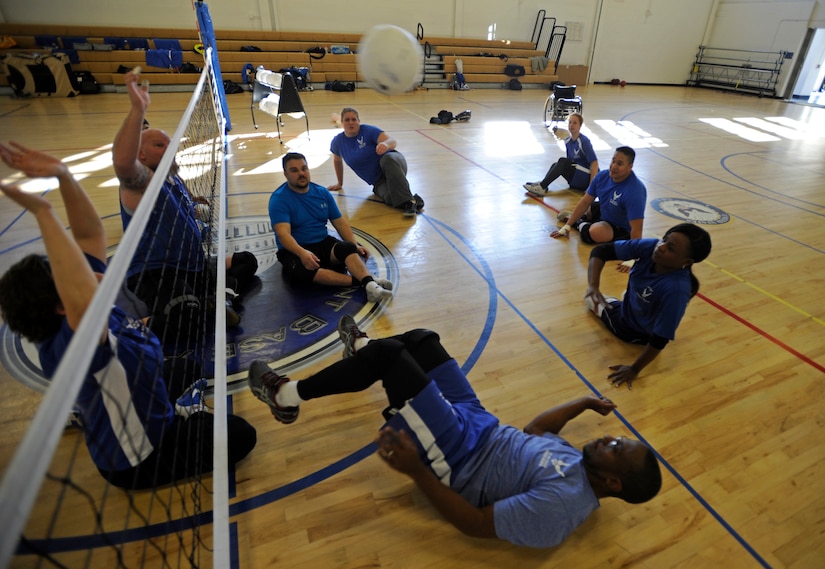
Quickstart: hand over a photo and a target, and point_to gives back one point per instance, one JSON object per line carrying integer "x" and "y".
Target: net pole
{"x": 220, "y": 460}
{"x": 207, "y": 33}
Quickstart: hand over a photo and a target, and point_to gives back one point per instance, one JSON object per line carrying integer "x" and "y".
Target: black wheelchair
{"x": 561, "y": 103}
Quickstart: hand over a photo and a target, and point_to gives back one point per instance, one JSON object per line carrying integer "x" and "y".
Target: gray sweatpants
{"x": 393, "y": 188}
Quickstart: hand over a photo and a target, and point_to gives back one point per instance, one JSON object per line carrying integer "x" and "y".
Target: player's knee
{"x": 393, "y": 160}
{"x": 245, "y": 261}
{"x": 242, "y": 270}
{"x": 344, "y": 249}
{"x": 597, "y": 232}
{"x": 584, "y": 232}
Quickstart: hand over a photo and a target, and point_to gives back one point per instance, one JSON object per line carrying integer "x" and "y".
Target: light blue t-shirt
{"x": 359, "y": 152}
{"x": 306, "y": 213}
{"x": 620, "y": 202}
{"x": 537, "y": 485}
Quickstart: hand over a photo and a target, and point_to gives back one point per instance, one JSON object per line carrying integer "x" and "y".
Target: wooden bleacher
{"x": 482, "y": 59}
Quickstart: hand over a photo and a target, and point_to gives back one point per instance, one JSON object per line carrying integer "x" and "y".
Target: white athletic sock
{"x": 360, "y": 343}
{"x": 287, "y": 395}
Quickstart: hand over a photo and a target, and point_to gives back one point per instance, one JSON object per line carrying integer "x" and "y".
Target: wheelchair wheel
{"x": 548, "y": 111}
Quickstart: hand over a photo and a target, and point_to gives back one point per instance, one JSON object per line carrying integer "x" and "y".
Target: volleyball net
{"x": 64, "y": 498}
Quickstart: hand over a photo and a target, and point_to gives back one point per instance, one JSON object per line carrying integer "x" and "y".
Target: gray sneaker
{"x": 384, "y": 283}
{"x": 348, "y": 332}
{"x": 264, "y": 384}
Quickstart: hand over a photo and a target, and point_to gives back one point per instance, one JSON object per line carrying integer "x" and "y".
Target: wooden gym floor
{"x": 733, "y": 406}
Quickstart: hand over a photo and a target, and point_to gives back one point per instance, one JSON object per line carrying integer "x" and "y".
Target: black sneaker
{"x": 410, "y": 209}
{"x": 264, "y": 384}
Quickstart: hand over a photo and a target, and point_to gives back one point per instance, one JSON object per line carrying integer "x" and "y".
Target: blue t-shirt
{"x": 359, "y": 152}
{"x": 619, "y": 202}
{"x": 123, "y": 399}
{"x": 172, "y": 237}
{"x": 654, "y": 302}
{"x": 307, "y": 214}
{"x": 581, "y": 152}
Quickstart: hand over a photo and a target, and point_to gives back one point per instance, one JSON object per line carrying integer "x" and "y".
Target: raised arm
{"x": 73, "y": 277}
{"x": 133, "y": 175}
{"x": 553, "y": 420}
{"x": 86, "y": 225}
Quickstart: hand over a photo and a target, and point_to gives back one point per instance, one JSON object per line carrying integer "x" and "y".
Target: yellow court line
{"x": 767, "y": 294}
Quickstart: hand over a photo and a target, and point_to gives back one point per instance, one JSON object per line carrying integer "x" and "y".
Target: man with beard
{"x": 527, "y": 487}
{"x": 299, "y": 211}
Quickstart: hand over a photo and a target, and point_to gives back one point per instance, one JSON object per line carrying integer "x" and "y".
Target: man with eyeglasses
{"x": 528, "y": 487}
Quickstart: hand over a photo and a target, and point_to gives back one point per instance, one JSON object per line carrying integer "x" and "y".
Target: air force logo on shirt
{"x": 547, "y": 458}
{"x": 615, "y": 199}
{"x": 361, "y": 143}
{"x": 646, "y": 293}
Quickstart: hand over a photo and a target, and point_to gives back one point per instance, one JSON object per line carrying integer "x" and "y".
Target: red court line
{"x": 716, "y": 305}
{"x": 739, "y": 319}
{"x": 764, "y": 334}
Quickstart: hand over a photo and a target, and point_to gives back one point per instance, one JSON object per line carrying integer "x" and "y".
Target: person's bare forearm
{"x": 469, "y": 520}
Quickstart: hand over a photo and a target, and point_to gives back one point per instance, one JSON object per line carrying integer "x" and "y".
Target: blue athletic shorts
{"x": 446, "y": 420}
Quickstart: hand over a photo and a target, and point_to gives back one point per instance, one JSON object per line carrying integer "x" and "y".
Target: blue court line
{"x": 744, "y": 219}
{"x": 33, "y": 239}
{"x": 57, "y": 545}
{"x": 156, "y": 530}
{"x": 738, "y": 187}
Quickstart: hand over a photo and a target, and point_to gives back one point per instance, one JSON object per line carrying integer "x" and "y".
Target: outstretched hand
{"x": 622, "y": 374}
{"x": 32, "y": 163}
{"x": 398, "y": 450}
{"x": 31, "y": 202}
{"x": 138, "y": 94}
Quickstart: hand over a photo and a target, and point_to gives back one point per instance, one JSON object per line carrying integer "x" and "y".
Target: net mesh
{"x": 83, "y": 516}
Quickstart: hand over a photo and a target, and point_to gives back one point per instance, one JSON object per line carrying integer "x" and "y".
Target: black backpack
{"x": 514, "y": 85}
{"x": 87, "y": 83}
{"x": 230, "y": 87}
